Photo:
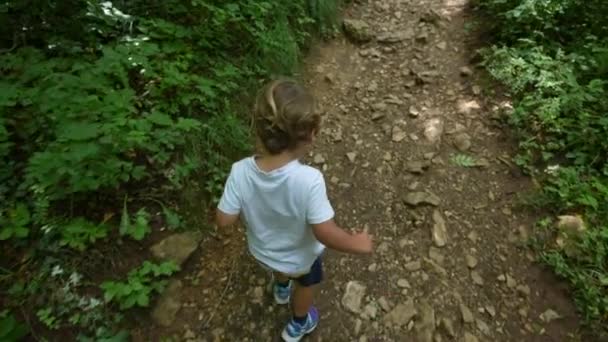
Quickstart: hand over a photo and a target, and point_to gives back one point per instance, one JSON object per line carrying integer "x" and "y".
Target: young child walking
{"x": 284, "y": 204}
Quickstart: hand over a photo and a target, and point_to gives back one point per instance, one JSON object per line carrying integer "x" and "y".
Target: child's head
{"x": 285, "y": 116}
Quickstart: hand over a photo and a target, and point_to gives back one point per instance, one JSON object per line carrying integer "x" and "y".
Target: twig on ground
{"x": 228, "y": 282}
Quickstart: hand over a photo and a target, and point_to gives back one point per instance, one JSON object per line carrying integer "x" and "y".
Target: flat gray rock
{"x": 177, "y": 247}
{"x": 401, "y": 315}
{"x": 421, "y": 197}
{"x": 353, "y": 295}
{"x": 168, "y": 304}
{"x": 357, "y": 30}
{"x": 425, "y": 326}
{"x": 439, "y": 230}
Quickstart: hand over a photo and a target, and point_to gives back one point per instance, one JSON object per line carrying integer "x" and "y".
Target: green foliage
{"x": 102, "y": 100}
{"x": 47, "y": 318}
{"x": 10, "y": 329}
{"x": 140, "y": 284}
{"x": 80, "y": 233}
{"x": 552, "y": 56}
{"x": 103, "y": 334}
{"x": 136, "y": 229}
{"x": 463, "y": 160}
{"x": 171, "y": 218}
{"x": 65, "y": 303}
{"x": 586, "y": 270}
{"x": 15, "y": 225}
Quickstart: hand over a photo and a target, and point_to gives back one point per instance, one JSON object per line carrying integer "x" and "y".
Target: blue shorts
{"x": 314, "y": 276}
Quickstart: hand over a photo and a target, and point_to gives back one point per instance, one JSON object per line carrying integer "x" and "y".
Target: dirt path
{"x": 384, "y": 102}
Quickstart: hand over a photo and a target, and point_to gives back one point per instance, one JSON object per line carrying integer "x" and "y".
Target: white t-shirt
{"x": 278, "y": 208}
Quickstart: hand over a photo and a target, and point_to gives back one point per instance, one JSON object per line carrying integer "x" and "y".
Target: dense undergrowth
{"x": 553, "y": 57}
{"x": 108, "y": 111}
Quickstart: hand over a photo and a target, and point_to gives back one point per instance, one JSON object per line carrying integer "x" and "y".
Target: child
{"x": 284, "y": 203}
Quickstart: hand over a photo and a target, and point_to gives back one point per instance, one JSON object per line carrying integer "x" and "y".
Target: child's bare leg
{"x": 303, "y": 297}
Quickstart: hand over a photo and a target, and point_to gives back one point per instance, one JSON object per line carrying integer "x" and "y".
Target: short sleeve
{"x": 319, "y": 208}
{"x": 230, "y": 202}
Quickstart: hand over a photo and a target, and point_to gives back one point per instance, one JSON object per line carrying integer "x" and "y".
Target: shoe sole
{"x": 288, "y": 338}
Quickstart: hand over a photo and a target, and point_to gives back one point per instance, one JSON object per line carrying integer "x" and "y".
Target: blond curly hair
{"x": 284, "y": 116}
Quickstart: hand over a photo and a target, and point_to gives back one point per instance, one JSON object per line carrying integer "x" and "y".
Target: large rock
{"x": 398, "y": 134}
{"x": 177, "y": 247}
{"x": 353, "y": 296}
{"x": 471, "y": 261}
{"x": 425, "y": 326}
{"x": 418, "y": 198}
{"x": 357, "y": 30}
{"x": 401, "y": 315}
{"x": 168, "y": 304}
{"x": 416, "y": 167}
{"x": 462, "y": 142}
{"x": 439, "y": 231}
{"x": 395, "y": 37}
{"x": 433, "y": 130}
{"x": 467, "y": 315}
{"x": 448, "y": 327}
{"x": 549, "y": 315}
{"x": 468, "y": 337}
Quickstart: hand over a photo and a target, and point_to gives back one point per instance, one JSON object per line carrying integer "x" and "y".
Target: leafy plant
{"x": 68, "y": 306}
{"x": 172, "y": 218}
{"x": 552, "y": 56}
{"x": 463, "y": 160}
{"x": 139, "y": 227}
{"x": 10, "y": 329}
{"x": 103, "y": 334}
{"x": 46, "y": 316}
{"x": 139, "y": 286}
{"x": 15, "y": 225}
{"x": 100, "y": 100}
{"x": 79, "y": 233}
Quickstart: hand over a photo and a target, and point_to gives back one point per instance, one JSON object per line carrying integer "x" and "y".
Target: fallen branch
{"x": 228, "y": 282}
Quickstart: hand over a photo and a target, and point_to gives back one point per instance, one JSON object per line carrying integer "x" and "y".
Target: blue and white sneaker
{"x": 281, "y": 293}
{"x": 294, "y": 331}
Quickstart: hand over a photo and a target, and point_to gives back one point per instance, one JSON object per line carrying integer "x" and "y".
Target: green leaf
{"x": 7, "y": 324}
{"x": 21, "y": 232}
{"x": 109, "y": 290}
{"x": 78, "y": 131}
{"x": 11, "y": 330}
{"x": 141, "y": 227}
{"x": 18, "y": 333}
{"x": 6, "y": 233}
{"x": 121, "y": 336}
{"x": 171, "y": 218}
{"x": 20, "y": 216}
{"x": 463, "y": 160}
{"x": 160, "y": 119}
{"x": 143, "y": 299}
{"x": 128, "y": 302}
{"x": 124, "y": 220}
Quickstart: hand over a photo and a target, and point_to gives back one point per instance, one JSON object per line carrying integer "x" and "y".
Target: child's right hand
{"x": 362, "y": 243}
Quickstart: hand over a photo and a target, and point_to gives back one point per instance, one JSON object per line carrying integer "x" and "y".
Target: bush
{"x": 552, "y": 56}
{"x": 104, "y": 101}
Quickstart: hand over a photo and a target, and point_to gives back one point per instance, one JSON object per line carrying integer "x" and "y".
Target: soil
{"x": 377, "y": 99}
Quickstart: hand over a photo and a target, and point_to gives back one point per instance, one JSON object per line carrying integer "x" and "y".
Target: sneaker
{"x": 294, "y": 331}
{"x": 282, "y": 293}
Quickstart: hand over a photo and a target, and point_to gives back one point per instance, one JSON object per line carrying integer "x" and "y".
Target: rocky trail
{"x": 413, "y": 148}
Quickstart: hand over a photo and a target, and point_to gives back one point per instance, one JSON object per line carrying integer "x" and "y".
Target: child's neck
{"x": 269, "y": 162}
